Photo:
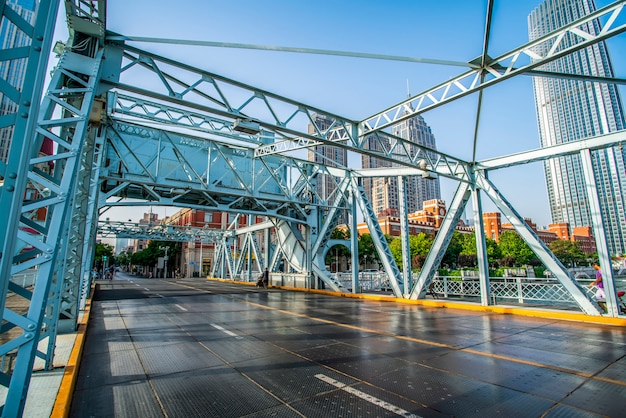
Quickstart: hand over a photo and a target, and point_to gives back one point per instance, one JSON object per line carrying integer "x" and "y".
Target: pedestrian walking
{"x": 266, "y": 278}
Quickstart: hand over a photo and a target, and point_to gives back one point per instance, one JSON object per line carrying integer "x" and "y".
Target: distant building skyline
{"x": 569, "y": 110}
{"x": 327, "y": 155}
{"x": 383, "y": 191}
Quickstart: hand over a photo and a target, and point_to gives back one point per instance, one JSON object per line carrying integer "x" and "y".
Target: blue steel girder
{"x": 213, "y": 103}
{"x": 178, "y": 170}
{"x": 219, "y": 95}
{"x": 133, "y": 108}
{"x": 159, "y": 232}
{"x": 64, "y": 121}
{"x": 442, "y": 239}
{"x": 564, "y": 41}
{"x": 537, "y": 246}
{"x": 380, "y": 242}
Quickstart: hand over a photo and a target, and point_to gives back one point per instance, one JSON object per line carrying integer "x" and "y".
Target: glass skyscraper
{"x": 383, "y": 191}
{"x": 327, "y": 155}
{"x": 569, "y": 110}
{"x": 12, "y": 71}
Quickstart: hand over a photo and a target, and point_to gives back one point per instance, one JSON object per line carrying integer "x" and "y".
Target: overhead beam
{"x": 504, "y": 67}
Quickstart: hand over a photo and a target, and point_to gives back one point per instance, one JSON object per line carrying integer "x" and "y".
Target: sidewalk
{"x": 50, "y": 392}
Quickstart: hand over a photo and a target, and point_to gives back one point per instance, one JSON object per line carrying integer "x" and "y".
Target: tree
{"x": 103, "y": 255}
{"x": 450, "y": 258}
{"x": 123, "y": 259}
{"x": 468, "y": 244}
{"x": 367, "y": 250}
{"x": 493, "y": 252}
{"x": 512, "y": 245}
{"x": 395, "y": 246}
{"x": 149, "y": 256}
{"x": 568, "y": 252}
{"x": 419, "y": 246}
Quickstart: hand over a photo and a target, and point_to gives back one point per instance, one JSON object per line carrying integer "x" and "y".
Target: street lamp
{"x": 165, "y": 260}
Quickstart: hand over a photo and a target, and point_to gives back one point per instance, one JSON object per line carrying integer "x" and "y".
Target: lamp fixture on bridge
{"x": 426, "y": 174}
{"x": 246, "y": 126}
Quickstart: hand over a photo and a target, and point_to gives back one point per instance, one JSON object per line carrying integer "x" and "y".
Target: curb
{"x": 504, "y": 310}
{"x": 61, "y": 408}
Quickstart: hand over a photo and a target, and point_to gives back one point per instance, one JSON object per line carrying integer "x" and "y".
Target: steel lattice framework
{"x": 181, "y": 136}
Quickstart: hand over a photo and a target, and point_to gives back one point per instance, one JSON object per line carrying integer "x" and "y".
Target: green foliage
{"x": 103, "y": 250}
{"x": 395, "y": 246}
{"x": 493, "y": 251}
{"x": 512, "y": 245}
{"x": 419, "y": 246}
{"x": 468, "y": 244}
{"x": 455, "y": 247}
{"x": 150, "y": 255}
{"x": 337, "y": 251}
{"x": 367, "y": 250}
{"x": 568, "y": 252}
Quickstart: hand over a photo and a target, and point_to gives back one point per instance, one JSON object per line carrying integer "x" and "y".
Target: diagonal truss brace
{"x": 517, "y": 61}
{"x": 537, "y": 246}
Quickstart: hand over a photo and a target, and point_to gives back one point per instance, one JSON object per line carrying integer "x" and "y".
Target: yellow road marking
{"x": 436, "y": 344}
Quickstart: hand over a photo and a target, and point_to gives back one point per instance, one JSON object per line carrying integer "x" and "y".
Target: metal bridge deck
{"x": 188, "y": 348}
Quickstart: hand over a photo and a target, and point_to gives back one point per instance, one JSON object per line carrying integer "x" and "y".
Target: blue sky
{"x": 357, "y": 88}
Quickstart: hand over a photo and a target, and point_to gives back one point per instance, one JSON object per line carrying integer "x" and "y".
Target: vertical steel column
{"x": 604, "y": 254}
{"x": 354, "y": 243}
{"x": 91, "y": 221}
{"x": 481, "y": 249}
{"x": 381, "y": 244}
{"x": 407, "y": 273}
{"x": 27, "y": 97}
{"x": 72, "y": 270}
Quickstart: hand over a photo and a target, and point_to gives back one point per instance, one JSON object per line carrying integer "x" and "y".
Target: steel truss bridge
{"x": 130, "y": 127}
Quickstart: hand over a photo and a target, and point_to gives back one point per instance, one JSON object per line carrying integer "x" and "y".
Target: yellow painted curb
{"x": 506, "y": 310}
{"x": 61, "y": 408}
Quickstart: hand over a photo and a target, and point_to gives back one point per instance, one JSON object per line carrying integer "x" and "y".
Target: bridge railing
{"x": 514, "y": 289}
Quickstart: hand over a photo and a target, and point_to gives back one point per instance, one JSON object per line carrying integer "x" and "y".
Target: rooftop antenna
{"x": 408, "y": 89}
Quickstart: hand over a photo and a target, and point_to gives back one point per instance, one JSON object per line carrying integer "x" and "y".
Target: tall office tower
{"x": 326, "y": 155}
{"x": 13, "y": 71}
{"x": 383, "y": 191}
{"x": 569, "y": 110}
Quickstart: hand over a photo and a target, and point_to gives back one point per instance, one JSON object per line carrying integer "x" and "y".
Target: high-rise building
{"x": 569, "y": 110}
{"x": 12, "y": 71}
{"x": 383, "y": 191}
{"x": 327, "y": 155}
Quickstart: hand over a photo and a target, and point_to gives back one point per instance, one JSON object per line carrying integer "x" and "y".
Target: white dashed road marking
{"x": 378, "y": 402}
{"x": 224, "y": 330}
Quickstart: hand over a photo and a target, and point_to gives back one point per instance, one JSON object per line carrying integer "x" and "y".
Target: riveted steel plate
{"x": 353, "y": 361}
{"x": 410, "y": 351}
{"x": 262, "y": 354}
{"x": 176, "y": 358}
{"x": 544, "y": 382}
{"x": 459, "y": 396}
{"x": 292, "y": 339}
{"x": 235, "y": 349}
{"x": 361, "y": 401}
{"x": 563, "y": 411}
{"x": 288, "y": 377}
{"x": 107, "y": 343}
{"x": 131, "y": 399}
{"x": 605, "y": 398}
{"x": 615, "y": 371}
{"x": 215, "y": 392}
{"x": 557, "y": 359}
{"x": 111, "y": 368}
